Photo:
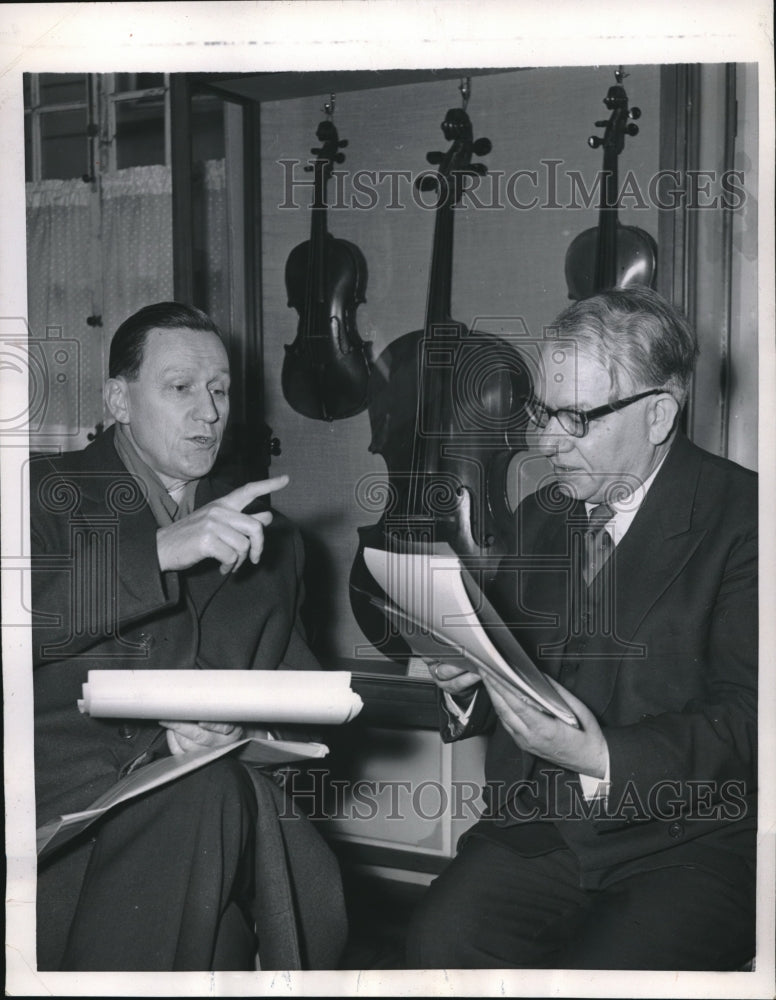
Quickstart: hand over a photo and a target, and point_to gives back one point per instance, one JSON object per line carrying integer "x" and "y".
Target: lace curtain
{"x": 104, "y": 253}
{"x": 65, "y": 362}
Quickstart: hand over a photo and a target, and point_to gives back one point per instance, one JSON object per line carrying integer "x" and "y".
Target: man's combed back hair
{"x": 128, "y": 344}
{"x": 638, "y": 337}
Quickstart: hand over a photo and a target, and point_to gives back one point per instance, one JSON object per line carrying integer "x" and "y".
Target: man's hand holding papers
{"x": 439, "y": 609}
{"x": 455, "y": 681}
{"x": 582, "y": 749}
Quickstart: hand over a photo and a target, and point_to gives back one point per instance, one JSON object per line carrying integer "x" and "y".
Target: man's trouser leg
{"x": 493, "y": 908}
{"x": 167, "y": 870}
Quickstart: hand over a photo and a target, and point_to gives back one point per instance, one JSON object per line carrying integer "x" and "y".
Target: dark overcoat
{"x": 100, "y": 601}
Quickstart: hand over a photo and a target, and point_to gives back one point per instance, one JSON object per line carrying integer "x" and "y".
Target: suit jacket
{"x": 100, "y": 601}
{"x": 672, "y": 678}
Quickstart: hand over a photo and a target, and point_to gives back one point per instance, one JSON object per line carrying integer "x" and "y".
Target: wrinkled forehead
{"x": 183, "y": 348}
{"x": 571, "y": 375}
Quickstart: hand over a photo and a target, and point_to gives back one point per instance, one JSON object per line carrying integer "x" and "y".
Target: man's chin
{"x": 197, "y": 466}
{"x": 576, "y": 486}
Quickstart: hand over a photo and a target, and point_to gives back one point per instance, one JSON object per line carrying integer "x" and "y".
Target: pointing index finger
{"x": 243, "y": 495}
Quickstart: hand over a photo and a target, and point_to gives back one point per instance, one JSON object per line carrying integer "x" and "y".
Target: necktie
{"x": 591, "y": 605}
{"x": 597, "y": 541}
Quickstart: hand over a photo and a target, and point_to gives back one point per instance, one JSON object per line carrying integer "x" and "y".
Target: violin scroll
{"x": 456, "y": 163}
{"x": 611, "y": 255}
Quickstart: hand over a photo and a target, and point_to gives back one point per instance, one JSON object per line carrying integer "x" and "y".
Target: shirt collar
{"x": 626, "y": 508}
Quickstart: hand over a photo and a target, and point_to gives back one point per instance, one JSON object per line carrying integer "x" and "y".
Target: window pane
{"x": 64, "y": 144}
{"x": 140, "y": 132}
{"x": 27, "y": 89}
{"x": 137, "y": 81}
{"x": 62, "y": 88}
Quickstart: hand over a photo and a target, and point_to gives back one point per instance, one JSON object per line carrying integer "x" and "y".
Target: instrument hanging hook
{"x": 619, "y": 75}
{"x": 465, "y": 87}
{"x": 328, "y": 107}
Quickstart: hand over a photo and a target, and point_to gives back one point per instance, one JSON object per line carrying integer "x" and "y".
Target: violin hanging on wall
{"x": 446, "y": 414}
{"x": 326, "y": 369}
{"x": 611, "y": 255}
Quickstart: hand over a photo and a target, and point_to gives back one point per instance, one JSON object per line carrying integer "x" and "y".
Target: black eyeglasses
{"x": 575, "y": 422}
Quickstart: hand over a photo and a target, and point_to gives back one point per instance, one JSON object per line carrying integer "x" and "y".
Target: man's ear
{"x": 116, "y": 393}
{"x": 661, "y": 415}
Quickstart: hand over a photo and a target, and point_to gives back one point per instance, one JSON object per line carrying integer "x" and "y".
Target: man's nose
{"x": 552, "y": 439}
{"x": 206, "y": 408}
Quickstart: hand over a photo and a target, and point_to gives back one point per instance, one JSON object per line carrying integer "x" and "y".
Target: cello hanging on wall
{"x": 446, "y": 414}
{"x": 611, "y": 255}
{"x": 326, "y": 369}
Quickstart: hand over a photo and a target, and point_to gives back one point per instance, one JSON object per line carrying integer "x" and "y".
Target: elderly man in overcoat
{"x": 628, "y": 841}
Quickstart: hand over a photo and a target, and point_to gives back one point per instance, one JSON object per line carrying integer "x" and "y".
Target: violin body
{"x": 326, "y": 369}
{"x": 634, "y": 260}
{"x": 446, "y": 414}
{"x": 474, "y": 426}
{"x": 460, "y": 496}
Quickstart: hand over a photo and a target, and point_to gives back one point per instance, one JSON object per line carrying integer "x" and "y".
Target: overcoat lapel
{"x": 655, "y": 550}
{"x": 104, "y": 489}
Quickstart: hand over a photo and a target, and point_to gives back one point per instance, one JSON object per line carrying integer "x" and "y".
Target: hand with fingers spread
{"x": 582, "y": 749}
{"x": 220, "y": 530}
{"x": 185, "y": 736}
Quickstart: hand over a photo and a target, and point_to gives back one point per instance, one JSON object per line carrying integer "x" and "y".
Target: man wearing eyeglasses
{"x": 627, "y": 842}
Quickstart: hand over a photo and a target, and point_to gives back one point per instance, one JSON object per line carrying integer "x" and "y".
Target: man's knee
{"x": 223, "y": 787}
{"x": 434, "y": 935}
{"x": 222, "y": 778}
{"x": 445, "y": 930}
{"x": 213, "y": 806}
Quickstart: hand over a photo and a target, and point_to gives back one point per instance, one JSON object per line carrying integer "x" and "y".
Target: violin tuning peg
{"x": 632, "y": 129}
{"x": 339, "y": 157}
{"x": 434, "y": 158}
{"x": 482, "y": 147}
{"x": 601, "y": 124}
{"x": 308, "y": 169}
{"x": 426, "y": 183}
{"x": 634, "y": 113}
{"x": 595, "y": 141}
{"x": 342, "y": 143}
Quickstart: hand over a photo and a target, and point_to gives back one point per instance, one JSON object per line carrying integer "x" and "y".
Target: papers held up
{"x": 439, "y": 610}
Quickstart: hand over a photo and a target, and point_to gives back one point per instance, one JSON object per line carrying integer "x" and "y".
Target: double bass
{"x": 326, "y": 369}
{"x": 446, "y": 415}
{"x": 611, "y": 255}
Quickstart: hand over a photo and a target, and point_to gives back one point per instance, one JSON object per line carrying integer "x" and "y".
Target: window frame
{"x": 101, "y": 101}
